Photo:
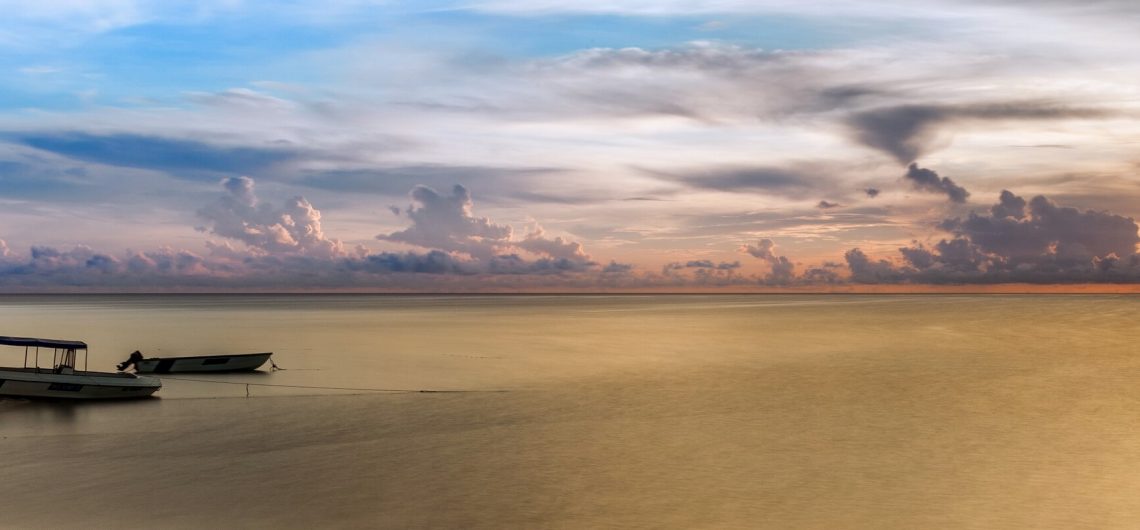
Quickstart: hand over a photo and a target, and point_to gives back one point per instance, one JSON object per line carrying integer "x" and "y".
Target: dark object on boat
{"x": 240, "y": 362}
{"x": 135, "y": 357}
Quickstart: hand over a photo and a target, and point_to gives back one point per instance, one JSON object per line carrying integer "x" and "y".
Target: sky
{"x": 516, "y": 146}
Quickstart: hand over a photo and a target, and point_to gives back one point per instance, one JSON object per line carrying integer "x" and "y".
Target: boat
{"x": 61, "y": 379}
{"x": 236, "y": 362}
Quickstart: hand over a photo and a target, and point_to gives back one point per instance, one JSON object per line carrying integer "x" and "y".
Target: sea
{"x": 593, "y": 411}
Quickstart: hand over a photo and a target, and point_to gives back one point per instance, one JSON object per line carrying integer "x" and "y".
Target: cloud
{"x": 39, "y": 180}
{"x": 433, "y": 262}
{"x": 1019, "y": 230}
{"x": 788, "y": 182}
{"x": 293, "y": 229}
{"x": 825, "y": 205}
{"x": 617, "y": 268}
{"x": 565, "y": 251}
{"x": 183, "y": 158}
{"x": 53, "y": 268}
{"x": 908, "y": 131}
{"x": 446, "y": 223}
{"x": 864, "y": 270}
{"x": 871, "y": 192}
{"x": 494, "y": 180}
{"x": 707, "y": 82}
{"x": 702, "y": 272}
{"x": 927, "y": 180}
{"x": 709, "y": 264}
{"x": 782, "y": 268}
{"x": 241, "y": 99}
{"x": 826, "y": 274}
{"x": 1035, "y": 241}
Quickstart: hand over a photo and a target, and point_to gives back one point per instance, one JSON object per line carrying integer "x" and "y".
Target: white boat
{"x": 61, "y": 379}
{"x": 237, "y": 362}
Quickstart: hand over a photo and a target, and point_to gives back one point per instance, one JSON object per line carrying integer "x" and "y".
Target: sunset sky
{"x": 539, "y": 145}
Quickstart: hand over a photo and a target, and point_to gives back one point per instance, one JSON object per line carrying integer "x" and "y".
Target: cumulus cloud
{"x": 287, "y": 246}
{"x": 167, "y": 260}
{"x": 433, "y": 262}
{"x": 445, "y": 222}
{"x": 782, "y": 268}
{"x": 81, "y": 267}
{"x": 570, "y": 252}
{"x": 865, "y": 270}
{"x": 927, "y": 180}
{"x": 1016, "y": 230}
{"x": 1034, "y": 241}
{"x": 293, "y": 229}
{"x": 826, "y": 273}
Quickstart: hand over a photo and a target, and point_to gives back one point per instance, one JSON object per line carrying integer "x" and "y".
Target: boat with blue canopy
{"x": 61, "y": 379}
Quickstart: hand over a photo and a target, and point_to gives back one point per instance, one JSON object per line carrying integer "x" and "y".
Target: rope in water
{"x": 349, "y": 389}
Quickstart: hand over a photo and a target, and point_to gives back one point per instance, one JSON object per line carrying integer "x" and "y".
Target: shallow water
{"x": 591, "y": 411}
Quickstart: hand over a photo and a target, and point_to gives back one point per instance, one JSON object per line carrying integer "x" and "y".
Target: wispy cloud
{"x": 178, "y": 157}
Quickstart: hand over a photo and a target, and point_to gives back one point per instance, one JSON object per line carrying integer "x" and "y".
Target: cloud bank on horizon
{"x": 503, "y": 145}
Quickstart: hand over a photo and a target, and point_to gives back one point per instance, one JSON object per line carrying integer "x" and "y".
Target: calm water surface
{"x": 590, "y": 412}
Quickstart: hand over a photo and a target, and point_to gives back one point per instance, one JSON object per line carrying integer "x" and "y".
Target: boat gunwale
{"x": 231, "y": 355}
{"x": 78, "y": 373}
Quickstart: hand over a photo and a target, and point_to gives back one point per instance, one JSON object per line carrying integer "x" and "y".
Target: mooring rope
{"x": 348, "y": 389}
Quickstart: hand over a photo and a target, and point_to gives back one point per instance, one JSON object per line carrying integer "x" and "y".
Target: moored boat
{"x": 61, "y": 380}
{"x": 238, "y": 362}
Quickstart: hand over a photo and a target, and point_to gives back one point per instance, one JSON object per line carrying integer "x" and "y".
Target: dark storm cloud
{"x": 927, "y": 180}
{"x": 908, "y": 131}
{"x": 1045, "y": 228}
{"x": 1009, "y": 205}
{"x": 865, "y": 270}
{"x": 433, "y": 262}
{"x": 179, "y": 157}
{"x": 1034, "y": 241}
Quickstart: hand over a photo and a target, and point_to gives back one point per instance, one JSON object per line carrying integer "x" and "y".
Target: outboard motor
{"x": 131, "y": 361}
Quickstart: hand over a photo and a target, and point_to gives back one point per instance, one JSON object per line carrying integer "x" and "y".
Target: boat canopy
{"x": 43, "y": 343}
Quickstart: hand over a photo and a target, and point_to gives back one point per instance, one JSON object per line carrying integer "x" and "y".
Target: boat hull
{"x": 207, "y": 363}
{"x": 29, "y": 383}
